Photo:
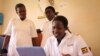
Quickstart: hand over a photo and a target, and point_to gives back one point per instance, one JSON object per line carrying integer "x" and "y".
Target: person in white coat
{"x": 20, "y": 31}
{"x": 47, "y": 26}
{"x": 64, "y": 43}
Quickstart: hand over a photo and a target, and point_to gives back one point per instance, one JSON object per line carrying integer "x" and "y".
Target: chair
{"x": 31, "y": 51}
{"x": 37, "y": 41}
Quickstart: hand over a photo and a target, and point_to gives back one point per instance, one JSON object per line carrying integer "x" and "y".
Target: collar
{"x": 68, "y": 34}
{"x": 22, "y": 20}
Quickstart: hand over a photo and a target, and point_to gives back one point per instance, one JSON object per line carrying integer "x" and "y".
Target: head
{"x": 50, "y": 12}
{"x": 59, "y": 26}
{"x": 21, "y": 11}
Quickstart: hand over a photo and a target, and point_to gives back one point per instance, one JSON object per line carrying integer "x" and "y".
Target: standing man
{"x": 20, "y": 31}
{"x": 47, "y": 26}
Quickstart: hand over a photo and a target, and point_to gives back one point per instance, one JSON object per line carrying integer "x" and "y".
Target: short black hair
{"x": 63, "y": 20}
{"x": 19, "y": 5}
{"x": 52, "y": 8}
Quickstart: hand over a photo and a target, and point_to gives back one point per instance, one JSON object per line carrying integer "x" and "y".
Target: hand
{"x": 3, "y": 51}
{"x": 66, "y": 55}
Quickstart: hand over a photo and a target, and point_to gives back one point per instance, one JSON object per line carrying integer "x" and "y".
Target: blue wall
{"x": 1, "y": 18}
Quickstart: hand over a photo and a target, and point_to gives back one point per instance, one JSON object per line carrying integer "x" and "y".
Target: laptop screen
{"x": 31, "y": 51}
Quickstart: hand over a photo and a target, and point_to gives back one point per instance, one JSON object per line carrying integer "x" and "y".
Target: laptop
{"x": 31, "y": 51}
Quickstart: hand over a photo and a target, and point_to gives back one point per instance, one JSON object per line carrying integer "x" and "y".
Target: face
{"x": 21, "y": 11}
{"x": 49, "y": 14}
{"x": 58, "y": 29}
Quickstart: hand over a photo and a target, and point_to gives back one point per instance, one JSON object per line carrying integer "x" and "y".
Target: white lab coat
{"x": 71, "y": 44}
{"x": 21, "y": 33}
{"x": 47, "y": 31}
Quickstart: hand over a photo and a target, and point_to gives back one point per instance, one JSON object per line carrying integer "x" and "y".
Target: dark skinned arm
{"x": 6, "y": 42}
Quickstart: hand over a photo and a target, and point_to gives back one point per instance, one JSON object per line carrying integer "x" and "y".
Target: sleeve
{"x": 47, "y": 47}
{"x": 33, "y": 30}
{"x": 43, "y": 26}
{"x": 8, "y": 29}
{"x": 82, "y": 48}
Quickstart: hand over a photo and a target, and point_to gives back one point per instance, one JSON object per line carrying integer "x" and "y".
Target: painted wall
{"x": 1, "y": 11}
{"x": 83, "y": 16}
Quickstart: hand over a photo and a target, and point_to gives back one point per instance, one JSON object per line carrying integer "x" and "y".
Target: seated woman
{"x": 64, "y": 43}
